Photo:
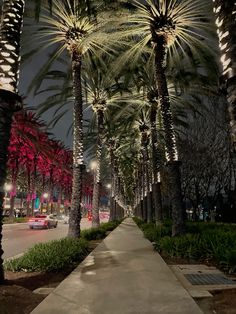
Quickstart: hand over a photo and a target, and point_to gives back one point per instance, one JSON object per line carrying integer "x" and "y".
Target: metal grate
{"x": 209, "y": 279}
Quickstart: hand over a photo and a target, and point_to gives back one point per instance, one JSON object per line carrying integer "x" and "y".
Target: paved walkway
{"x": 123, "y": 275}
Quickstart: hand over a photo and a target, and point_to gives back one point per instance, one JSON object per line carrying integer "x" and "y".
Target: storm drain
{"x": 209, "y": 279}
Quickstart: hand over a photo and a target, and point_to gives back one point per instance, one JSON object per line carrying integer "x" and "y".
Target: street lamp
{"x": 44, "y": 198}
{"x": 8, "y": 187}
{"x": 93, "y": 165}
{"x": 45, "y": 195}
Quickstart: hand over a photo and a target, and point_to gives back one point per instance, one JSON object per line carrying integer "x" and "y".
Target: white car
{"x": 42, "y": 221}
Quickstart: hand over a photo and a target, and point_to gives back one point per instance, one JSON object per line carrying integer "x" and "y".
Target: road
{"x": 17, "y": 238}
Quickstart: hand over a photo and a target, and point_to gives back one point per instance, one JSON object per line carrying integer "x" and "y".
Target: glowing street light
{"x": 109, "y": 185}
{"x": 8, "y": 187}
{"x": 45, "y": 195}
{"x": 93, "y": 165}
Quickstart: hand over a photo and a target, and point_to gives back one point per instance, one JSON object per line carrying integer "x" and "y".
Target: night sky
{"x": 27, "y": 73}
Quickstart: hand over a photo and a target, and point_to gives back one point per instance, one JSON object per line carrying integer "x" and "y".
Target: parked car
{"x": 42, "y": 221}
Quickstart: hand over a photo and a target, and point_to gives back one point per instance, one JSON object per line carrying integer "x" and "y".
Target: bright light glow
{"x": 93, "y": 165}
{"x": 6, "y": 67}
{"x": 223, "y": 47}
{"x": 219, "y": 22}
{"x": 8, "y": 187}
{"x": 109, "y": 185}
{"x": 226, "y": 63}
{"x": 229, "y": 71}
{"x": 217, "y": 10}
{"x": 45, "y": 195}
{"x": 225, "y": 34}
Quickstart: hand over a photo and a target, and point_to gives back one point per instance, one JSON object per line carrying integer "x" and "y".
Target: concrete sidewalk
{"x": 122, "y": 275}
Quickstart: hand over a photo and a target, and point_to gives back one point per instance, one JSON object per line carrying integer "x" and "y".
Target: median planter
{"x": 8, "y": 220}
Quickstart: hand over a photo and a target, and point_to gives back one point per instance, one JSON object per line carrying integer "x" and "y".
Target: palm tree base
{"x": 157, "y": 202}
{"x": 141, "y": 209}
{"x": 149, "y": 207}
{"x": 145, "y": 208}
{"x": 111, "y": 217}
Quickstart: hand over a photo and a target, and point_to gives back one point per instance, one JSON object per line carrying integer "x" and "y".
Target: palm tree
{"x": 81, "y": 35}
{"x": 145, "y": 81}
{"x": 28, "y": 137}
{"x": 167, "y": 28}
{"x": 10, "y": 30}
{"x": 144, "y": 131}
{"x": 102, "y": 92}
{"x": 226, "y": 30}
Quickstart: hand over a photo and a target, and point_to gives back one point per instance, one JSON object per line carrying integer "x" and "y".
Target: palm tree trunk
{"x": 140, "y": 188}
{"x": 13, "y": 192}
{"x": 28, "y": 210}
{"x": 78, "y": 165}
{"x": 146, "y": 174}
{"x": 112, "y": 164}
{"x": 226, "y": 24}
{"x": 170, "y": 141}
{"x": 11, "y": 23}
{"x": 97, "y": 180}
{"x": 34, "y": 185}
{"x": 144, "y": 199}
{"x": 156, "y": 164}
{"x": 95, "y": 205}
{"x": 59, "y": 198}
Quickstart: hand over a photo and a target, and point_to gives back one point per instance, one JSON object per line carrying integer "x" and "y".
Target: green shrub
{"x": 211, "y": 241}
{"x": 111, "y": 225}
{"x": 154, "y": 233}
{"x": 8, "y": 220}
{"x": 151, "y": 231}
{"x": 99, "y": 233}
{"x": 228, "y": 261}
{"x": 52, "y": 256}
{"x": 187, "y": 246}
{"x": 93, "y": 234}
{"x": 139, "y": 221}
{"x": 216, "y": 245}
{"x": 21, "y": 219}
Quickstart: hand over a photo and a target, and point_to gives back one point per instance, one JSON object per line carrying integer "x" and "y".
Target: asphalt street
{"x": 17, "y": 238}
